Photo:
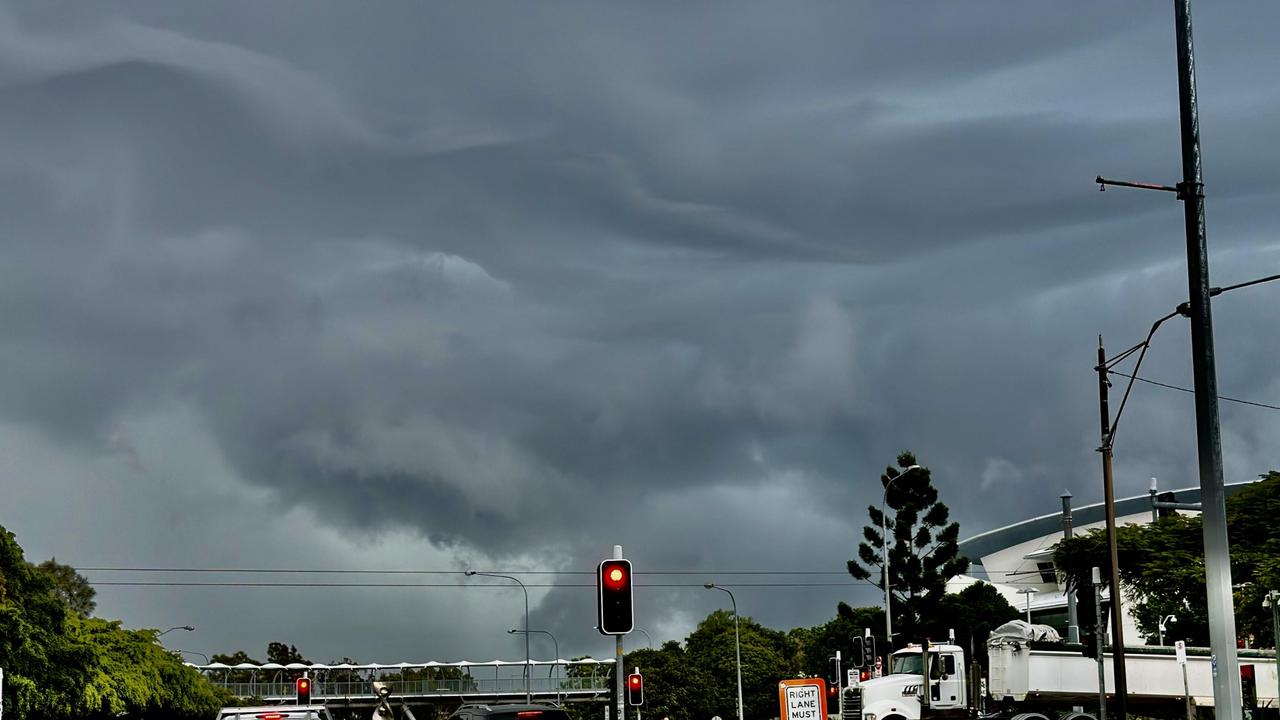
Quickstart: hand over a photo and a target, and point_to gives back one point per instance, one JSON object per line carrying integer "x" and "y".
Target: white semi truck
{"x": 1032, "y": 680}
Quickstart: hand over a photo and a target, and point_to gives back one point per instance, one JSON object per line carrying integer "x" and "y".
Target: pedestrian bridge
{"x": 349, "y": 684}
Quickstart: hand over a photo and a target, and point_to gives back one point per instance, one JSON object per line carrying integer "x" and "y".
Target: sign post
{"x": 1180, "y": 649}
{"x": 803, "y": 699}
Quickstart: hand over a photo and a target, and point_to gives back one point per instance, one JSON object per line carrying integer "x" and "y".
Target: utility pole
{"x": 1073, "y": 623}
{"x": 1109, "y": 497}
{"x": 1228, "y": 703}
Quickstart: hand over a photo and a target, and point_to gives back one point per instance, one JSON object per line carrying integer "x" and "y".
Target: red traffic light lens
{"x": 635, "y": 681}
{"x": 615, "y": 576}
{"x": 304, "y": 684}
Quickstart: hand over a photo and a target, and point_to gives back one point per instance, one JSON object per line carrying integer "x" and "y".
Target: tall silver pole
{"x": 1273, "y": 599}
{"x": 737, "y": 642}
{"x": 619, "y": 659}
{"x": 1228, "y": 704}
{"x": 1073, "y": 622}
{"x": 528, "y": 692}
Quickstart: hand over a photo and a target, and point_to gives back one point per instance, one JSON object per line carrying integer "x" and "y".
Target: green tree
{"x": 133, "y": 676}
{"x": 1162, "y": 566}
{"x": 674, "y": 687}
{"x": 43, "y": 668}
{"x": 972, "y": 613}
{"x": 765, "y": 652}
{"x": 60, "y": 664}
{"x": 70, "y": 586}
{"x": 283, "y": 653}
{"x": 815, "y": 646}
{"x": 233, "y": 659}
{"x": 924, "y": 552}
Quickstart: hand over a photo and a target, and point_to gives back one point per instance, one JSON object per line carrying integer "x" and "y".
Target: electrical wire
{"x": 231, "y": 583}
{"x": 1189, "y": 390}
{"x": 443, "y": 572}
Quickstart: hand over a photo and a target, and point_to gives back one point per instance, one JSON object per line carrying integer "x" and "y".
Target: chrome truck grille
{"x": 852, "y": 704}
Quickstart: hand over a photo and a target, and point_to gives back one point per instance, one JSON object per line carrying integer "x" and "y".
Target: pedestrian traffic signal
{"x": 635, "y": 689}
{"x": 614, "y": 609}
{"x": 303, "y": 688}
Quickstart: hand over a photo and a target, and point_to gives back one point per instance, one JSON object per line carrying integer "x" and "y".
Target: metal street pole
{"x": 1109, "y": 497}
{"x": 1073, "y": 621}
{"x": 619, "y": 658}
{"x": 737, "y": 643}
{"x": 1228, "y": 704}
{"x": 1272, "y": 600}
{"x": 884, "y": 542}
{"x": 1097, "y": 638}
{"x": 646, "y": 636}
{"x": 528, "y": 692}
{"x": 555, "y": 664}
{"x": 1028, "y": 592}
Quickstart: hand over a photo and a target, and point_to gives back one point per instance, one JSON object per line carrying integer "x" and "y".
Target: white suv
{"x": 276, "y": 712}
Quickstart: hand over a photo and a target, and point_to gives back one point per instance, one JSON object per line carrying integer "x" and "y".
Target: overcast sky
{"x": 499, "y": 285}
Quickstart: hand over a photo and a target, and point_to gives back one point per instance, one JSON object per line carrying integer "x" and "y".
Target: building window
{"x": 1047, "y": 573}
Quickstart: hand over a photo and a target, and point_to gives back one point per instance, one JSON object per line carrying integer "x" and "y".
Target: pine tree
{"x": 923, "y": 551}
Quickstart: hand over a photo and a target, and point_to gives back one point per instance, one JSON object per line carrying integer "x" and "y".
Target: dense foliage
{"x": 924, "y": 551}
{"x": 59, "y": 663}
{"x": 1162, "y": 567}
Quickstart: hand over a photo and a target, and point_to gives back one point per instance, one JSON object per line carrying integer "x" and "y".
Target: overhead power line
{"x": 365, "y": 571}
{"x": 1189, "y": 390}
{"x": 233, "y": 583}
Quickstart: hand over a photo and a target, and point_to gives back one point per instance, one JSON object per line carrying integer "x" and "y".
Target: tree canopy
{"x": 59, "y": 663}
{"x": 1162, "y": 566}
{"x": 70, "y": 586}
{"x": 924, "y": 551}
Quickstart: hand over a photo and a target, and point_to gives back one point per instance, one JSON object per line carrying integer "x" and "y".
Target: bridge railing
{"x": 401, "y": 688}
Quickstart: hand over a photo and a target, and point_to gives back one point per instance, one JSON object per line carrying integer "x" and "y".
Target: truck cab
{"x": 913, "y": 681}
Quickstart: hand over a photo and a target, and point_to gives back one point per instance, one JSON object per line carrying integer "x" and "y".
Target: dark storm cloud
{"x": 487, "y": 276}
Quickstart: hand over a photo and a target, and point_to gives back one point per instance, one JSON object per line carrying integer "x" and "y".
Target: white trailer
{"x": 1043, "y": 681}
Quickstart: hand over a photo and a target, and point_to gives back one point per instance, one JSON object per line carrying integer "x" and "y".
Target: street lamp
{"x": 1160, "y": 628}
{"x": 737, "y": 642}
{"x": 884, "y": 542}
{"x": 1272, "y": 600}
{"x": 553, "y": 639}
{"x": 646, "y": 636}
{"x": 528, "y": 694}
{"x": 188, "y": 628}
{"x": 193, "y": 652}
{"x": 1028, "y": 591}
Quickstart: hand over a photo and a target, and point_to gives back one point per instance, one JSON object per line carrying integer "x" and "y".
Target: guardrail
{"x": 454, "y": 687}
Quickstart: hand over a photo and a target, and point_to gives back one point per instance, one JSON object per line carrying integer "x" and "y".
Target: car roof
{"x": 511, "y": 707}
{"x": 316, "y": 710}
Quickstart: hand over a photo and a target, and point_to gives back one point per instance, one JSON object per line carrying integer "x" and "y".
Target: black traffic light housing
{"x": 635, "y": 689}
{"x": 614, "y": 610}
{"x": 302, "y": 686}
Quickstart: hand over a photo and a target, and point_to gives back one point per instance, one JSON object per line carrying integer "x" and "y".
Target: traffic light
{"x": 303, "y": 688}
{"x": 859, "y": 652}
{"x": 614, "y": 609}
{"x": 635, "y": 689}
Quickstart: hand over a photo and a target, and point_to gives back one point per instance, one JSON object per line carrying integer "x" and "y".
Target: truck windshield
{"x": 907, "y": 665}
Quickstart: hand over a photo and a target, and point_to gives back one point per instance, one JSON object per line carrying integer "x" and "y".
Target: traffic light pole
{"x": 619, "y": 660}
{"x": 622, "y": 678}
